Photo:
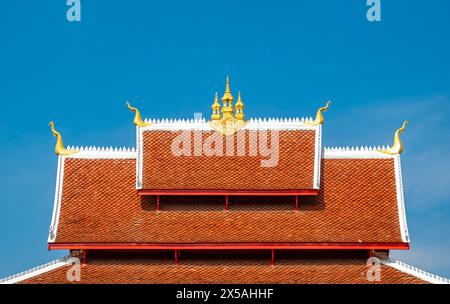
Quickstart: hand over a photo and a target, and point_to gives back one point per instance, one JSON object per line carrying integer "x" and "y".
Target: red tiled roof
{"x": 163, "y": 170}
{"x": 219, "y": 269}
{"x": 357, "y": 204}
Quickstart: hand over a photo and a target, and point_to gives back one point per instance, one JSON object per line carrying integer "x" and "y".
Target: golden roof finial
{"x": 397, "y": 147}
{"x": 227, "y": 96}
{"x": 227, "y": 100}
{"x": 239, "y": 108}
{"x": 319, "y": 116}
{"x": 228, "y": 124}
{"x": 138, "y": 121}
{"x": 59, "y": 147}
{"x": 215, "y": 108}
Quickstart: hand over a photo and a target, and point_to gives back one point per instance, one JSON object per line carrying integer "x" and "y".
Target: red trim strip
{"x": 229, "y": 246}
{"x": 304, "y": 192}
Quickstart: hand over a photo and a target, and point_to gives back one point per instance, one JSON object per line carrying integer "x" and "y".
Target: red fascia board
{"x": 229, "y": 246}
{"x": 300, "y": 192}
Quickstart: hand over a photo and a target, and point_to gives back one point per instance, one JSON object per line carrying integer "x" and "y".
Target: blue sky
{"x": 169, "y": 57}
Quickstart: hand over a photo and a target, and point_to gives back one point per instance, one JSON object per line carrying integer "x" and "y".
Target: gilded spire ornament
{"x": 59, "y": 147}
{"x": 319, "y": 116}
{"x": 138, "y": 121}
{"x": 397, "y": 147}
{"x": 216, "y": 109}
{"x": 227, "y": 100}
{"x": 228, "y": 124}
{"x": 239, "y": 108}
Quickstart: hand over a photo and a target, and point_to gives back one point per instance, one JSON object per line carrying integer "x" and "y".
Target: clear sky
{"x": 170, "y": 57}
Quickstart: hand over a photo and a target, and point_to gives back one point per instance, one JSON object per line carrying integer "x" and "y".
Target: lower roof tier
{"x": 222, "y": 269}
{"x": 360, "y": 202}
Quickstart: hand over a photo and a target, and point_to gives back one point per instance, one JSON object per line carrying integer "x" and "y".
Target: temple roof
{"x": 194, "y": 268}
{"x": 361, "y": 201}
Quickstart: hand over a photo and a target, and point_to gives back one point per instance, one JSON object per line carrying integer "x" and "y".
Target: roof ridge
{"x": 354, "y": 148}
{"x": 102, "y": 149}
{"x": 417, "y": 272}
{"x": 250, "y": 120}
{"x": 37, "y": 270}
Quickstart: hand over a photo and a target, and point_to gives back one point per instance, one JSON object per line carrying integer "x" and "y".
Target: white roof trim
{"x": 414, "y": 271}
{"x": 252, "y": 124}
{"x": 27, "y": 274}
{"x": 400, "y": 199}
{"x": 140, "y": 159}
{"x": 57, "y": 201}
{"x": 103, "y": 152}
{"x": 317, "y": 157}
{"x": 355, "y": 152}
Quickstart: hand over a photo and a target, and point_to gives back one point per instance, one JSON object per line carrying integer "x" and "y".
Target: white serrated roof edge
{"x": 414, "y": 271}
{"x": 355, "y": 152}
{"x": 84, "y": 153}
{"x": 251, "y": 124}
{"x": 27, "y": 274}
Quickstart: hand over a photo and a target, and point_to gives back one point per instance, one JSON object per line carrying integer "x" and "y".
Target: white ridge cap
{"x": 414, "y": 271}
{"x": 355, "y": 152}
{"x": 103, "y": 152}
{"x": 35, "y": 271}
{"x": 252, "y": 124}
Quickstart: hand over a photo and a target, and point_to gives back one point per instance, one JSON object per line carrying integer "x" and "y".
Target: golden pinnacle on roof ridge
{"x": 239, "y": 115}
{"x": 227, "y": 96}
{"x": 227, "y": 103}
{"x": 138, "y": 121}
{"x": 216, "y": 108}
{"x": 230, "y": 122}
{"x": 59, "y": 147}
{"x": 397, "y": 147}
{"x": 319, "y": 116}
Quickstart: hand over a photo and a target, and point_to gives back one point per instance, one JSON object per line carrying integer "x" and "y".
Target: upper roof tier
{"x": 265, "y": 155}
{"x": 229, "y": 153}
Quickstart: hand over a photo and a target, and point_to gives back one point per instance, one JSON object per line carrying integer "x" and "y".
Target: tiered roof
{"x": 153, "y": 197}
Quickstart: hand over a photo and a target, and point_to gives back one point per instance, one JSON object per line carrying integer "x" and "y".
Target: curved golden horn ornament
{"x": 138, "y": 121}
{"x": 59, "y": 147}
{"x": 319, "y": 116}
{"x": 397, "y": 147}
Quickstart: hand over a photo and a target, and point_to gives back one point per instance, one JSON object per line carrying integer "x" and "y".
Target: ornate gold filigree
{"x": 59, "y": 147}
{"x": 138, "y": 121}
{"x": 397, "y": 147}
{"x": 227, "y": 127}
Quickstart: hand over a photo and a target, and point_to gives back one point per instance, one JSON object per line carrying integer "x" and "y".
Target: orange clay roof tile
{"x": 128, "y": 269}
{"x": 357, "y": 203}
{"x": 293, "y": 170}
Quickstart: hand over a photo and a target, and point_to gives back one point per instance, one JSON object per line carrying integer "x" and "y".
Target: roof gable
{"x": 264, "y": 155}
